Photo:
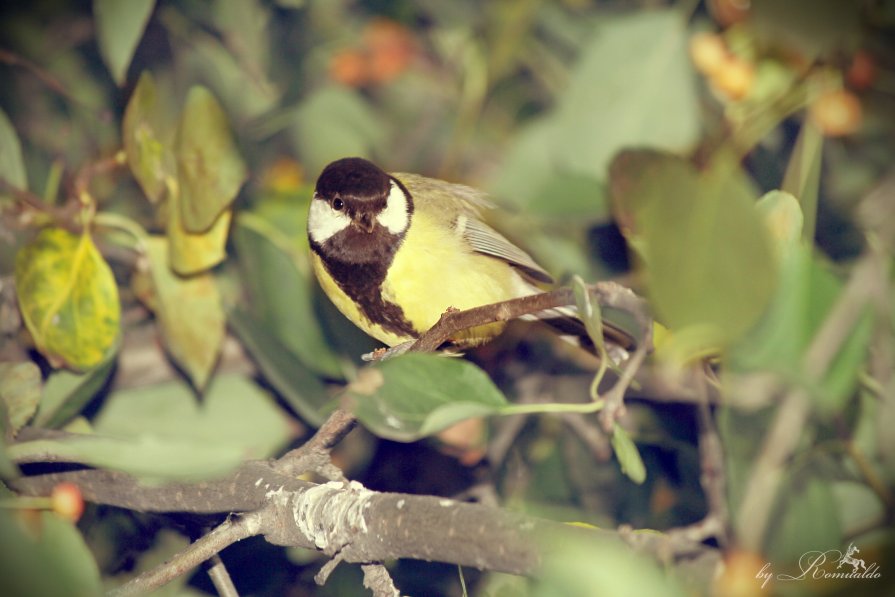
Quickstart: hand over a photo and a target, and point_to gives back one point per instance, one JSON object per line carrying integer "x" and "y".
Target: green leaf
{"x": 570, "y": 195}
{"x": 709, "y": 266}
{"x": 783, "y": 218}
{"x": 210, "y": 167}
{"x": 628, "y": 455}
{"x": 233, "y": 414}
{"x": 66, "y": 393}
{"x": 154, "y": 457}
{"x": 68, "y": 298}
{"x": 190, "y": 313}
{"x": 20, "y": 392}
{"x": 281, "y": 291}
{"x": 119, "y": 27}
{"x": 148, "y": 139}
{"x": 299, "y": 387}
{"x": 417, "y": 395}
{"x": 581, "y": 562}
{"x": 806, "y": 292}
{"x": 53, "y": 561}
{"x": 858, "y": 505}
{"x": 335, "y": 122}
{"x": 12, "y": 167}
{"x": 163, "y": 432}
{"x": 808, "y": 520}
{"x": 632, "y": 74}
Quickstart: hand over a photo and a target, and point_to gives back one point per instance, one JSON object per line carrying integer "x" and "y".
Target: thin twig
{"x": 228, "y": 533}
{"x": 712, "y": 471}
{"x": 378, "y": 580}
{"x": 220, "y": 578}
{"x": 314, "y": 454}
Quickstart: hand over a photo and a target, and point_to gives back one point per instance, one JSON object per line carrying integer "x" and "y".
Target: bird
{"x": 394, "y": 251}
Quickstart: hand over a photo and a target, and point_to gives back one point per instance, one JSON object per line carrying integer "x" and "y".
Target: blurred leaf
{"x": 12, "y": 167}
{"x": 190, "y": 312}
{"x": 234, "y": 413}
{"x": 570, "y": 195}
{"x": 53, "y": 561}
{"x": 209, "y": 165}
{"x": 857, "y": 504}
{"x": 814, "y": 28}
{"x": 163, "y": 432}
{"x": 840, "y": 380}
{"x": 590, "y": 563}
{"x": 417, "y": 395}
{"x": 709, "y": 265}
{"x": 145, "y": 455}
{"x": 802, "y": 178}
{"x": 334, "y": 122}
{"x": 805, "y": 294}
{"x": 20, "y": 392}
{"x": 783, "y": 218}
{"x": 808, "y": 520}
{"x": 628, "y": 455}
{"x": 632, "y": 75}
{"x": 148, "y": 139}
{"x": 66, "y": 393}
{"x": 194, "y": 253}
{"x": 281, "y": 291}
{"x": 119, "y": 27}
{"x": 299, "y": 387}
{"x": 68, "y": 298}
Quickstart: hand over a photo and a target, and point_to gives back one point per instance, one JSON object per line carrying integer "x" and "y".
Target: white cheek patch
{"x": 324, "y": 222}
{"x": 394, "y": 217}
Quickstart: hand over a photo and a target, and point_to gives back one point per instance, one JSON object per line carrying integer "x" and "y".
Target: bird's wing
{"x": 465, "y": 205}
{"x": 486, "y": 240}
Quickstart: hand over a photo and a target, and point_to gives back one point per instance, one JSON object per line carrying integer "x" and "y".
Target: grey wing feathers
{"x": 484, "y": 239}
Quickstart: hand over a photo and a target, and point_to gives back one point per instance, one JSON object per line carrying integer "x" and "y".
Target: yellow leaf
{"x": 192, "y": 253}
{"x": 68, "y": 298}
{"x": 190, "y": 314}
{"x": 148, "y": 139}
{"x": 208, "y": 161}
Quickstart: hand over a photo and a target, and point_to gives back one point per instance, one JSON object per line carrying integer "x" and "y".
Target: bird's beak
{"x": 365, "y": 222}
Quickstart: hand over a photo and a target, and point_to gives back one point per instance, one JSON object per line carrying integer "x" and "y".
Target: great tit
{"x": 395, "y": 251}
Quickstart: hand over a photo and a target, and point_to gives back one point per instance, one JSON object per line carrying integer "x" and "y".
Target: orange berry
{"x": 708, "y": 52}
{"x": 861, "y": 72}
{"x": 735, "y": 78}
{"x": 67, "y": 501}
{"x": 349, "y": 67}
{"x": 729, "y": 12}
{"x": 742, "y": 576}
{"x": 836, "y": 113}
{"x": 391, "y": 47}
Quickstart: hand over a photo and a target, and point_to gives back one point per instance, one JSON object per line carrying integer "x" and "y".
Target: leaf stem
{"x": 553, "y": 407}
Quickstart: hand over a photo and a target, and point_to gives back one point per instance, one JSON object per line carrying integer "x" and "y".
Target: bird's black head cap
{"x": 353, "y": 179}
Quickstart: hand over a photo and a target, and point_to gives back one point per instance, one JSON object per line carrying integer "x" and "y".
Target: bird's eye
{"x": 338, "y": 204}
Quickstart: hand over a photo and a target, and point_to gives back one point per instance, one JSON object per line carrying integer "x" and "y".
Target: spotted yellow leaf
{"x": 68, "y": 298}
